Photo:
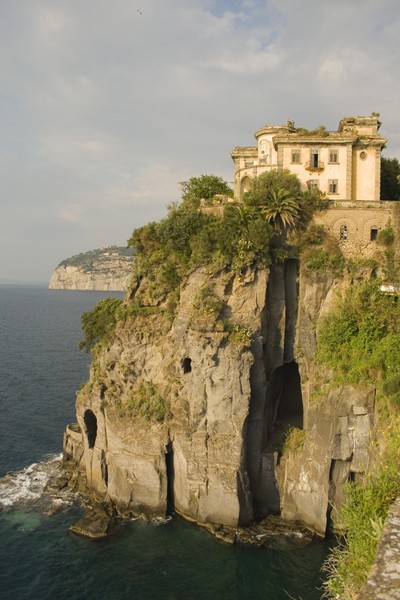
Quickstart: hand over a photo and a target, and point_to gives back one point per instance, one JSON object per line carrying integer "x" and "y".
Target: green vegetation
{"x": 238, "y": 334}
{"x": 204, "y": 187}
{"x": 390, "y": 179}
{"x": 280, "y": 199}
{"x": 360, "y": 338}
{"x": 98, "y": 324}
{"x": 147, "y": 402}
{"x": 257, "y": 231}
{"x": 320, "y": 131}
{"x": 206, "y": 303}
{"x": 244, "y": 234}
{"x": 363, "y": 516}
{"x": 388, "y": 240}
{"x": 294, "y": 439}
{"x": 360, "y": 341}
{"x": 86, "y": 260}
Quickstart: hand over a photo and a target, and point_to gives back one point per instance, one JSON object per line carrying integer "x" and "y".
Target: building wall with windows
{"x": 345, "y": 164}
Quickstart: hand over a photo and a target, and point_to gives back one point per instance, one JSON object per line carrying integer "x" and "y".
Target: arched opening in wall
{"x": 169, "y": 464}
{"x": 290, "y": 403}
{"x": 187, "y": 365}
{"x": 343, "y": 233}
{"x": 374, "y": 234}
{"x": 90, "y": 421}
{"x": 245, "y": 185}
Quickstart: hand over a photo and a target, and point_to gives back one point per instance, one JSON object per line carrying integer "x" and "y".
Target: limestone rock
{"x": 215, "y": 452}
{"x": 107, "y": 269}
{"x": 96, "y": 523}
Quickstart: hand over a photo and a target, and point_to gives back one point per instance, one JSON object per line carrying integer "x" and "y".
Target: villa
{"x": 344, "y": 164}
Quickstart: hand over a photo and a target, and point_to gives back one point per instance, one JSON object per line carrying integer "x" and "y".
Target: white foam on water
{"x": 28, "y": 485}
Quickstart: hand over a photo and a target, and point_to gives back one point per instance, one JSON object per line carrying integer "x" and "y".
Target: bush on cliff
{"x": 204, "y": 187}
{"x": 363, "y": 515}
{"x": 187, "y": 237}
{"x": 360, "y": 341}
{"x": 240, "y": 235}
{"x": 98, "y": 324}
{"x": 360, "y": 338}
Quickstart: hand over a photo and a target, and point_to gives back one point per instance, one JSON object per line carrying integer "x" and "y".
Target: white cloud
{"x": 107, "y": 110}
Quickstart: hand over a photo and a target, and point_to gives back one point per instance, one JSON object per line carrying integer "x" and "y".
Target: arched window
{"x": 343, "y": 232}
{"x": 374, "y": 234}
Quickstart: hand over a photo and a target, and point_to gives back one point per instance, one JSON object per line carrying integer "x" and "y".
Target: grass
{"x": 363, "y": 516}
{"x": 146, "y": 402}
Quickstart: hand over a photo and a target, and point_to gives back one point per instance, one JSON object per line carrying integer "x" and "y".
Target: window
{"x": 296, "y": 157}
{"x": 333, "y": 156}
{"x": 374, "y": 234}
{"x": 343, "y": 232}
{"x": 313, "y": 184}
{"x": 314, "y": 158}
{"x": 333, "y": 187}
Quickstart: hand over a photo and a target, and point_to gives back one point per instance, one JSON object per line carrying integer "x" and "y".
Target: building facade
{"x": 344, "y": 164}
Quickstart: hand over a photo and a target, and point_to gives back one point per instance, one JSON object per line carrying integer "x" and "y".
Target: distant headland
{"x": 104, "y": 269}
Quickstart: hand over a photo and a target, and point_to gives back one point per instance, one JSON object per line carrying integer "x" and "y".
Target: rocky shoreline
{"x": 102, "y": 519}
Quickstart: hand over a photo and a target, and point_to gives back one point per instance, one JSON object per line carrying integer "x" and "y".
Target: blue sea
{"x": 40, "y": 370}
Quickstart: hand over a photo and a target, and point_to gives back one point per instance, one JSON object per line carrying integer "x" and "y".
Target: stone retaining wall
{"x": 384, "y": 578}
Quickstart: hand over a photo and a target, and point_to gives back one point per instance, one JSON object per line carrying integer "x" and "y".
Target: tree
{"x": 282, "y": 210}
{"x": 390, "y": 179}
{"x": 205, "y": 186}
{"x": 98, "y": 323}
{"x": 280, "y": 198}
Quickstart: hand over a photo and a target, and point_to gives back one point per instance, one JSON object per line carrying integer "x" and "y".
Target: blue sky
{"x": 105, "y": 110}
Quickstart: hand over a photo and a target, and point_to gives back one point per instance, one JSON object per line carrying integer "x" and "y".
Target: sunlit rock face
{"x": 188, "y": 411}
{"x": 107, "y": 269}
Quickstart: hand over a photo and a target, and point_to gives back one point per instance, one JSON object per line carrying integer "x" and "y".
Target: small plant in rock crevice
{"x": 147, "y": 402}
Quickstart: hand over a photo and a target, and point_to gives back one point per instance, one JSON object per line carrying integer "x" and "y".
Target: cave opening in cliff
{"x": 290, "y": 403}
{"x": 169, "y": 464}
{"x": 90, "y": 421}
{"x": 187, "y": 365}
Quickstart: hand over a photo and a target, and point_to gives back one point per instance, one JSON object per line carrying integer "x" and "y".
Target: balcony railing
{"x": 314, "y": 167}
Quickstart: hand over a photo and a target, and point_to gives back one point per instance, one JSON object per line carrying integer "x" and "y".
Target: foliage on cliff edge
{"x": 360, "y": 341}
{"x": 238, "y": 235}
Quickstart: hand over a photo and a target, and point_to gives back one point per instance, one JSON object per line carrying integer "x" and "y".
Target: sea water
{"x": 40, "y": 370}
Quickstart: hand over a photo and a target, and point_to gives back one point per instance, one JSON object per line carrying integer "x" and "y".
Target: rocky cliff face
{"x": 235, "y": 375}
{"x": 108, "y": 269}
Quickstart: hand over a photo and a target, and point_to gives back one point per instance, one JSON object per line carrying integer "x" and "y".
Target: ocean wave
{"x": 30, "y": 488}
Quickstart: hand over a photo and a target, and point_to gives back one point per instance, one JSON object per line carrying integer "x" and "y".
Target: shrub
{"x": 206, "y": 302}
{"x": 294, "y": 440}
{"x": 238, "y": 334}
{"x": 363, "y": 516}
{"x": 386, "y": 236}
{"x": 146, "y": 402}
{"x": 98, "y": 324}
{"x": 360, "y": 338}
{"x": 320, "y": 259}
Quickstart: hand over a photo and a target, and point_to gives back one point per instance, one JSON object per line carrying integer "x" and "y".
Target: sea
{"x": 41, "y": 369}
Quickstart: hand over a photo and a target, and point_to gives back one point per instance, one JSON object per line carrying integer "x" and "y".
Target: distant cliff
{"x": 106, "y": 269}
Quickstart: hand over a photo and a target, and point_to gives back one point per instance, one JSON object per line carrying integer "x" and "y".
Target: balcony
{"x": 314, "y": 166}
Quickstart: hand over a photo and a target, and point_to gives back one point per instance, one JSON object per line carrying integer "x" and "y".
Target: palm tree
{"x": 240, "y": 216}
{"x": 282, "y": 209}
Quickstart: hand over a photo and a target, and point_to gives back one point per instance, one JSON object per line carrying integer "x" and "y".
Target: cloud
{"x": 106, "y": 110}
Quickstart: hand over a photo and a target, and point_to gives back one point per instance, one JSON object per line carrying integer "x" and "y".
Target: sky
{"x": 106, "y": 106}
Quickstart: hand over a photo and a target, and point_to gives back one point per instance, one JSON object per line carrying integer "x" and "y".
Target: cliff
{"x": 106, "y": 269}
{"x": 218, "y": 410}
